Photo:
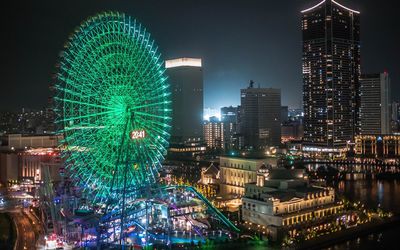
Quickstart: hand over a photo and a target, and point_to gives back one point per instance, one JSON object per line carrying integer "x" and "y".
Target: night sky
{"x": 237, "y": 40}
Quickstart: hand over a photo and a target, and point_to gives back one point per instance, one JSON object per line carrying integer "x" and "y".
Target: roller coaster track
{"x": 222, "y": 217}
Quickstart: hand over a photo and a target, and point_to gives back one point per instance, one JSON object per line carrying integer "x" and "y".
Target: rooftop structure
{"x": 182, "y": 62}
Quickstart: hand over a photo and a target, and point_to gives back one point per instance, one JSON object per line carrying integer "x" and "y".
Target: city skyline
{"x": 186, "y": 124}
{"x": 271, "y": 60}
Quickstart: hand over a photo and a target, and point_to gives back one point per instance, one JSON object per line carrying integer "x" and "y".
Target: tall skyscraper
{"x": 261, "y": 117}
{"x": 331, "y": 69}
{"x": 186, "y": 79}
{"x": 375, "y": 104}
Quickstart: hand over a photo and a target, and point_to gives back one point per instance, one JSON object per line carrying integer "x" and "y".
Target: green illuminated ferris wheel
{"x": 112, "y": 105}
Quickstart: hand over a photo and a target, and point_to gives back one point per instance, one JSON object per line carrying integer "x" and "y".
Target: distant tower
{"x": 186, "y": 79}
{"x": 331, "y": 69}
{"x": 229, "y": 116}
{"x": 375, "y": 104}
{"x": 261, "y": 118}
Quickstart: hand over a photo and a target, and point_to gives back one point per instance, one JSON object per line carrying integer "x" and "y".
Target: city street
{"x": 28, "y": 227}
{"x": 25, "y": 232}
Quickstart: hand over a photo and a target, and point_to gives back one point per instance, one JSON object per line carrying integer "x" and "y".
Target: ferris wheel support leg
{"x": 121, "y": 240}
{"x": 169, "y": 229}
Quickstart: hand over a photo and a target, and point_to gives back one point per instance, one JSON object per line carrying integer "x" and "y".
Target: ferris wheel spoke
{"x": 152, "y": 115}
{"x": 88, "y": 116}
{"x": 148, "y": 105}
{"x": 85, "y": 104}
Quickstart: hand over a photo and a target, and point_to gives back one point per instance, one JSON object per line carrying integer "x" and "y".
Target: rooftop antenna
{"x": 251, "y": 84}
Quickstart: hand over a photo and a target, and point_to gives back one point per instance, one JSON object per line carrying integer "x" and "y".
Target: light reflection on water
{"x": 372, "y": 193}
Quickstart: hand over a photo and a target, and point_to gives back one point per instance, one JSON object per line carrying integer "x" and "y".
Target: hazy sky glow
{"x": 237, "y": 40}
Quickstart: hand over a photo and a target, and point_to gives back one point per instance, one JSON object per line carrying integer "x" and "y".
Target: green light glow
{"x": 111, "y": 82}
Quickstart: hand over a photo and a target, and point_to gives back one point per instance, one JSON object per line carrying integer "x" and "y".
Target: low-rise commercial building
{"x": 19, "y": 141}
{"x": 235, "y": 172}
{"x": 378, "y": 146}
{"x": 210, "y": 175}
{"x": 25, "y": 157}
{"x": 281, "y": 198}
{"x": 8, "y": 168}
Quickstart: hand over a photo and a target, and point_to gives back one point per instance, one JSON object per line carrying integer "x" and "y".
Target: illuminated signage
{"x": 137, "y": 134}
{"x": 180, "y": 62}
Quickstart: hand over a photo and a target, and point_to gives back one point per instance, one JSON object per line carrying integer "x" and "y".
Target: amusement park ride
{"x": 112, "y": 105}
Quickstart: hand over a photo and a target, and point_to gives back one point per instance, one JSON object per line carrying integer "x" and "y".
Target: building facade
{"x": 24, "y": 157}
{"x": 378, "y": 146}
{"x": 331, "y": 70}
{"x": 261, "y": 117}
{"x": 9, "y": 162}
{"x": 186, "y": 79}
{"x": 214, "y": 133}
{"x": 34, "y": 163}
{"x": 230, "y": 118}
{"x": 235, "y": 172}
{"x": 283, "y": 198}
{"x": 291, "y": 130}
{"x": 19, "y": 141}
{"x": 375, "y": 102}
{"x": 395, "y": 111}
{"x": 210, "y": 175}
{"x": 284, "y": 114}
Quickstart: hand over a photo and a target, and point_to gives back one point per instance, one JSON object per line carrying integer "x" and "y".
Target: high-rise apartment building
{"x": 186, "y": 79}
{"x": 331, "y": 69}
{"x": 375, "y": 104}
{"x": 214, "y": 133}
{"x": 261, "y": 117}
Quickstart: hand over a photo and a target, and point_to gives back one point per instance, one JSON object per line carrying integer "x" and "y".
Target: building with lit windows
{"x": 214, "y": 133}
{"x": 34, "y": 162}
{"x": 186, "y": 80}
{"x": 375, "y": 104}
{"x": 377, "y": 146}
{"x": 19, "y": 141}
{"x": 235, "y": 172}
{"x": 281, "y": 198}
{"x": 331, "y": 70}
{"x": 261, "y": 117}
{"x": 291, "y": 130}
{"x": 210, "y": 175}
{"x": 229, "y": 114}
{"x": 24, "y": 157}
{"x": 395, "y": 118}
